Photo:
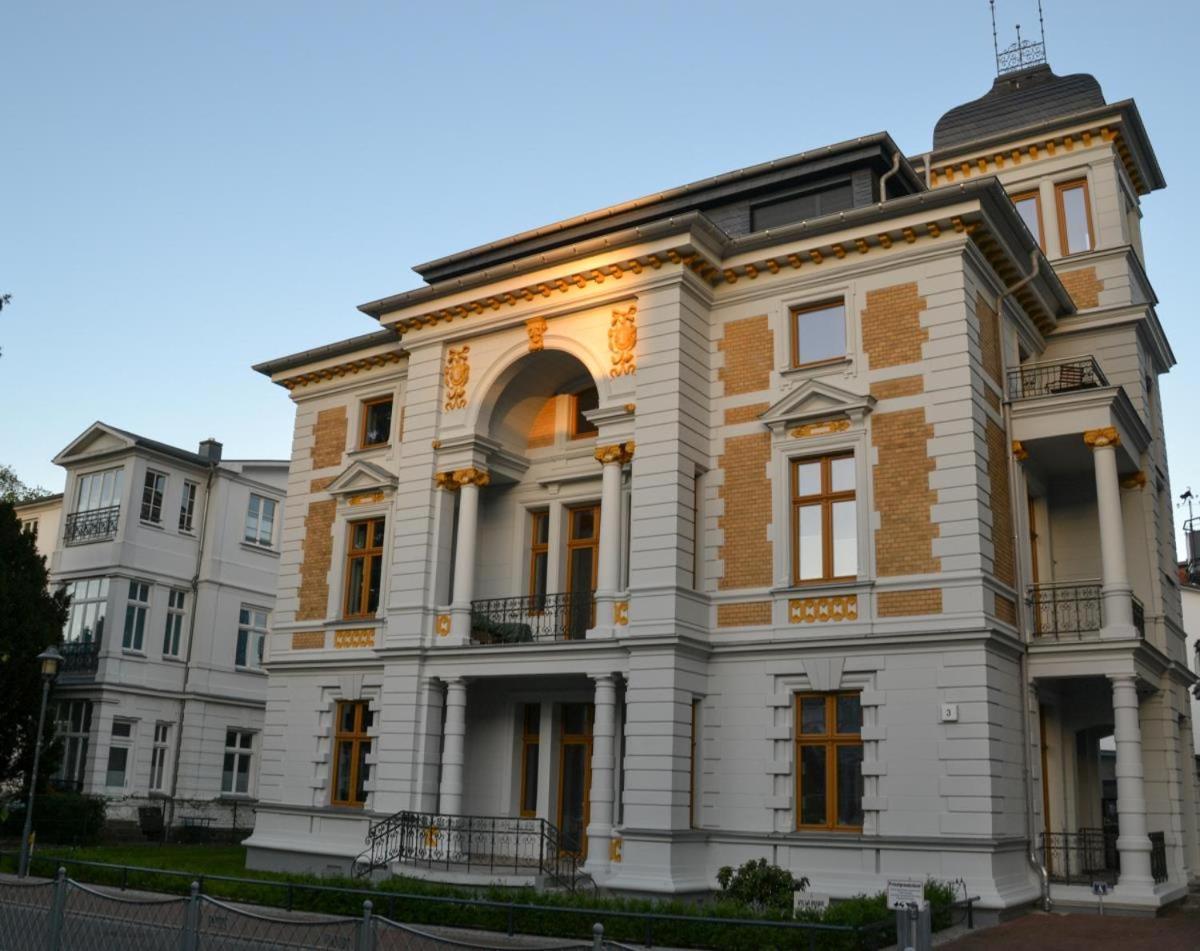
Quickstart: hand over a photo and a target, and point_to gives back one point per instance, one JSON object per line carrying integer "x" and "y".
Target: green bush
{"x": 760, "y": 885}
{"x": 60, "y": 818}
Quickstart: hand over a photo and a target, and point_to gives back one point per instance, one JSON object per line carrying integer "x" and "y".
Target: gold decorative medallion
{"x": 1108, "y": 436}
{"x": 365, "y": 498}
{"x": 621, "y": 452}
{"x": 442, "y": 625}
{"x": 816, "y": 610}
{"x": 536, "y": 328}
{"x": 622, "y": 339}
{"x": 621, "y": 613}
{"x": 823, "y": 428}
{"x": 354, "y": 637}
{"x": 457, "y": 373}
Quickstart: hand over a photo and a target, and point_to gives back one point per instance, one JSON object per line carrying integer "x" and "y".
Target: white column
{"x": 603, "y": 785}
{"x": 1133, "y": 843}
{"x": 453, "y": 739}
{"x": 608, "y": 571}
{"x": 468, "y": 482}
{"x": 1114, "y": 576}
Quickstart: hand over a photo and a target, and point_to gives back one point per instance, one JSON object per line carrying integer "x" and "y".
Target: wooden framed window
{"x": 351, "y": 747}
{"x": 376, "y": 426}
{"x": 531, "y": 733}
{"x": 1029, "y": 207}
{"x": 1074, "y": 216}
{"x": 824, "y": 519}
{"x": 829, "y": 754}
{"x": 364, "y": 568}
{"x": 818, "y": 333}
{"x": 583, "y": 401}
{"x": 539, "y": 556}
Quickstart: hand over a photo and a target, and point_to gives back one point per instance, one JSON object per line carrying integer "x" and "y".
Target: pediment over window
{"x": 815, "y": 402}
{"x": 362, "y": 477}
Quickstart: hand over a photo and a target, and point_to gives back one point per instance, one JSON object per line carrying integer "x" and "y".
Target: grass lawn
{"x": 200, "y": 859}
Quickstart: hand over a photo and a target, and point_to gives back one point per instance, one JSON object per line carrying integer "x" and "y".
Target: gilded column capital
{"x": 454, "y": 480}
{"x": 1097, "y": 438}
{"x": 620, "y": 453}
{"x": 1135, "y": 481}
{"x": 1020, "y": 453}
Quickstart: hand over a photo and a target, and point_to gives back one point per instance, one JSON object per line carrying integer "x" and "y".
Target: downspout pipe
{"x": 1014, "y": 479}
{"x": 886, "y": 175}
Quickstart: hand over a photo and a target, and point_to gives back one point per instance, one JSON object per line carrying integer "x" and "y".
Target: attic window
{"x": 809, "y": 204}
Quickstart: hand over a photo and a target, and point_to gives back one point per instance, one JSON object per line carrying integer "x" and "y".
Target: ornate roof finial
{"x": 1021, "y": 54}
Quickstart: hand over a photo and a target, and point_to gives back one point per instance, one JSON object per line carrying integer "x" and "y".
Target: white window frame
{"x": 91, "y": 493}
{"x": 154, "y": 490}
{"x": 782, "y": 319}
{"x": 88, "y": 610}
{"x": 235, "y": 751}
{"x": 187, "y": 506}
{"x": 117, "y": 742}
{"x": 253, "y": 625}
{"x": 253, "y": 532}
{"x": 158, "y": 756}
{"x": 173, "y": 628}
{"x": 133, "y": 637}
{"x": 73, "y": 767}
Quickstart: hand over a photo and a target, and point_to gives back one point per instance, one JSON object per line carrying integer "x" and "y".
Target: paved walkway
{"x": 1179, "y": 930}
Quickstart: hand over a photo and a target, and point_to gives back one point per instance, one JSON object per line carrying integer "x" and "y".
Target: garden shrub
{"x": 60, "y": 818}
{"x": 760, "y": 885}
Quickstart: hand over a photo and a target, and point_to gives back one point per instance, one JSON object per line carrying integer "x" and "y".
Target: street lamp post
{"x": 50, "y": 659}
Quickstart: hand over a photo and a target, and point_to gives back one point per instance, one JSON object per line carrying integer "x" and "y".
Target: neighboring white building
{"x": 170, "y": 558}
{"x": 42, "y": 517}
{"x": 816, "y": 511}
{"x": 1189, "y": 590}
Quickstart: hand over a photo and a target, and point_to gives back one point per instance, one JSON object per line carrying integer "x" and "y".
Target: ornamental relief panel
{"x": 818, "y": 610}
{"x": 457, "y": 373}
{"x": 536, "y": 328}
{"x": 622, "y": 339}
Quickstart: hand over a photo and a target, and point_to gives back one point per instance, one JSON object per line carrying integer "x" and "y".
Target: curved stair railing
{"x": 495, "y": 844}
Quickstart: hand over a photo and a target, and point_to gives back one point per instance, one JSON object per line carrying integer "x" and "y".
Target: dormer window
{"x": 810, "y": 204}
{"x": 376, "y": 423}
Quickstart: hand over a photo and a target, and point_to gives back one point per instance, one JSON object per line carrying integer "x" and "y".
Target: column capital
{"x": 1135, "y": 481}
{"x": 619, "y": 453}
{"x": 603, "y": 678}
{"x": 1123, "y": 679}
{"x": 1099, "y": 438}
{"x": 455, "y": 479}
{"x": 1020, "y": 453}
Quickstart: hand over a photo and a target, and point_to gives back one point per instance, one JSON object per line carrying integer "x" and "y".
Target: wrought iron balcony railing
{"x": 1081, "y": 857}
{"x": 79, "y": 657}
{"x": 539, "y": 617}
{"x": 1158, "y": 857}
{"x": 93, "y": 525}
{"x": 1074, "y": 611}
{"x": 1047, "y": 379}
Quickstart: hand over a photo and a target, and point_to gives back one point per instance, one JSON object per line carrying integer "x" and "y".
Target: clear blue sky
{"x": 191, "y": 188}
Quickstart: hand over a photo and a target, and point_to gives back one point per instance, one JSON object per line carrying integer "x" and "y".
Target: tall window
{"x": 260, "y": 521}
{"x": 364, "y": 567}
{"x": 119, "y": 750}
{"x": 829, "y": 754}
{"x": 136, "y": 609}
{"x": 539, "y": 556}
{"x": 235, "y": 772}
{"x": 187, "y": 507}
{"x": 351, "y": 747}
{"x": 252, "y": 632}
{"x": 89, "y": 605}
{"x": 75, "y": 727}
{"x": 1029, "y": 207}
{"x": 818, "y": 333}
{"x": 581, "y": 403}
{"x": 531, "y": 734}
{"x": 98, "y": 490}
{"x": 158, "y": 756}
{"x": 376, "y": 423}
{"x": 1074, "y": 216}
{"x": 176, "y": 599}
{"x": 152, "y": 496}
{"x": 824, "y": 519}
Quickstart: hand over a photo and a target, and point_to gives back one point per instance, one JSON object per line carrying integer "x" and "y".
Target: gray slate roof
{"x": 1017, "y": 100}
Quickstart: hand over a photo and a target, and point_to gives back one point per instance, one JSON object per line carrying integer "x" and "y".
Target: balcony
{"x": 532, "y": 618}
{"x": 80, "y": 659}
{"x": 1072, "y": 611}
{"x": 1089, "y": 855}
{"x": 93, "y": 525}
{"x": 1032, "y": 380}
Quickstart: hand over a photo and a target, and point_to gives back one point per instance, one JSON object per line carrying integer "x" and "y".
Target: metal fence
{"x": 527, "y": 618}
{"x": 93, "y": 525}
{"x": 1047, "y": 379}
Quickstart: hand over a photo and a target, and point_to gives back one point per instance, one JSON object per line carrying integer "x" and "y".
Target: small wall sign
{"x": 810, "y": 901}
{"x": 905, "y": 892}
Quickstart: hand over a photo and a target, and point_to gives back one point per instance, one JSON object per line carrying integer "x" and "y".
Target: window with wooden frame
{"x": 364, "y": 568}
{"x": 818, "y": 333}
{"x": 1029, "y": 207}
{"x": 824, "y": 519}
{"x": 583, "y": 402}
{"x": 1074, "y": 216}
{"x": 351, "y": 747}
{"x": 531, "y": 733}
{"x": 829, "y": 755}
{"x": 539, "y": 557}
{"x": 376, "y": 426}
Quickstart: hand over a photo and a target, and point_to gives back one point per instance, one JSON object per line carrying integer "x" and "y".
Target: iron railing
{"x": 1139, "y": 617}
{"x": 79, "y": 657}
{"x": 1073, "y": 610}
{"x": 1075, "y": 858}
{"x": 93, "y": 525}
{"x": 1158, "y": 857}
{"x": 1046, "y": 379}
{"x": 493, "y": 844}
{"x": 528, "y": 618}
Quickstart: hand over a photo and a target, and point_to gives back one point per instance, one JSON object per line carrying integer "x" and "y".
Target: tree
{"x": 31, "y": 619}
{"x": 761, "y": 885}
{"x": 13, "y": 490}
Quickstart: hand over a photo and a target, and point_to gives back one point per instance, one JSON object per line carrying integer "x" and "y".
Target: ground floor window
{"x": 74, "y": 726}
{"x": 239, "y": 750}
{"x": 158, "y": 757}
{"x": 531, "y": 733}
{"x": 351, "y": 747}
{"x": 120, "y": 752}
{"x": 829, "y": 754}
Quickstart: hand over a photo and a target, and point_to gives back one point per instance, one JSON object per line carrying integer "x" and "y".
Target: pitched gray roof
{"x": 339, "y": 349}
{"x": 1017, "y": 100}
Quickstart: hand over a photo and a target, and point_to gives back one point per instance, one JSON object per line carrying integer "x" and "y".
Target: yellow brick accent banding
{"x": 1083, "y": 285}
{"x": 354, "y": 637}
{"x": 318, "y": 554}
{"x": 907, "y": 603}
{"x": 749, "y": 354}
{"x": 744, "y": 614}
{"x": 891, "y": 326}
{"x": 819, "y": 610}
{"x": 1003, "y": 534}
{"x": 308, "y": 640}
{"x": 745, "y": 414}
{"x": 904, "y": 541}
{"x": 747, "y": 494}
{"x": 329, "y": 437}
{"x": 902, "y": 386}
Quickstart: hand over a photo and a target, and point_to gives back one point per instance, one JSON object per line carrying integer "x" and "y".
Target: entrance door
{"x": 583, "y": 557}
{"x": 575, "y": 777}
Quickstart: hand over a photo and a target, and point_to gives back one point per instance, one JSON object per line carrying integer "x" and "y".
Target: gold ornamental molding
{"x": 817, "y": 610}
{"x": 456, "y": 479}
{"x": 1135, "y": 481}
{"x": 457, "y": 373}
{"x": 1020, "y": 453}
{"x": 354, "y": 637}
{"x": 442, "y": 625}
{"x": 308, "y": 640}
{"x": 342, "y": 369}
{"x": 1096, "y": 438}
{"x": 365, "y": 498}
{"x": 620, "y": 452}
{"x": 614, "y": 848}
{"x": 621, "y": 613}
{"x": 820, "y": 429}
{"x": 622, "y": 338}
{"x": 536, "y": 328}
